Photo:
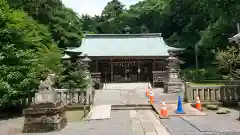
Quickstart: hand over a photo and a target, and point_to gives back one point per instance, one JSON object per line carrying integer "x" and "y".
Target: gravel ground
{"x": 11, "y": 126}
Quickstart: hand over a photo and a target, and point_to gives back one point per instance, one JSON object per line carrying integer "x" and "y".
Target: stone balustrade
{"x": 67, "y": 97}
{"x": 212, "y": 94}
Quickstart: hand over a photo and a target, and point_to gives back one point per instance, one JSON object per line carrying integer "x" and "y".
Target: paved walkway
{"x": 120, "y": 97}
{"x": 145, "y": 122}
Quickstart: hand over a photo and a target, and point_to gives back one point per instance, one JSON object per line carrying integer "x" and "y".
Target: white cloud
{"x": 92, "y": 7}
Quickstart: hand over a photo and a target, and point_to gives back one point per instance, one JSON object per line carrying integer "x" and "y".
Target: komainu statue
{"x": 47, "y": 84}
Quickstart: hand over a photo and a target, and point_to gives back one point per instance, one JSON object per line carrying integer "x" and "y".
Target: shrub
{"x": 194, "y": 75}
{"x": 73, "y": 77}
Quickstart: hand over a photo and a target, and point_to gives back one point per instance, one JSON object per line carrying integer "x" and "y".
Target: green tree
{"x": 228, "y": 61}
{"x": 202, "y": 23}
{"x": 113, "y": 9}
{"x": 110, "y": 21}
{"x": 64, "y": 23}
{"x": 21, "y": 61}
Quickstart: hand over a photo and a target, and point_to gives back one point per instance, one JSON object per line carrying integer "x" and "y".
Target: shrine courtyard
{"x": 141, "y": 120}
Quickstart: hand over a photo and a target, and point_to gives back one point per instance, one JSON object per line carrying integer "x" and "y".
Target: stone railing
{"x": 75, "y": 97}
{"x": 81, "y": 97}
{"x": 215, "y": 94}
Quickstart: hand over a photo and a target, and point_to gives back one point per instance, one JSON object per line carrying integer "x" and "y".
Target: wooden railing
{"x": 212, "y": 93}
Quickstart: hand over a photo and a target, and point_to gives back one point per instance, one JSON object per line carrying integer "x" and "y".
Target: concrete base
{"x": 173, "y": 87}
{"x": 188, "y": 109}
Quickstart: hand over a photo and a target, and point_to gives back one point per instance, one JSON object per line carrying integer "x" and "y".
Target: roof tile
{"x": 151, "y": 44}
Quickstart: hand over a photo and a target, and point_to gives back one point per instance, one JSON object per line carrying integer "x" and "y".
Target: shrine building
{"x": 124, "y": 57}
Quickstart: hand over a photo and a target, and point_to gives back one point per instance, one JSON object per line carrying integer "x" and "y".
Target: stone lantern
{"x": 66, "y": 59}
{"x": 86, "y": 61}
{"x": 74, "y": 55}
{"x": 85, "y": 64}
{"x": 173, "y": 83}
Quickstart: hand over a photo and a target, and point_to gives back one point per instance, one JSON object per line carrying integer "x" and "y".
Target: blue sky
{"x": 92, "y": 7}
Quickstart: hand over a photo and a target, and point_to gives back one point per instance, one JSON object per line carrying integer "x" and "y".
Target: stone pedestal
{"x": 45, "y": 115}
{"x": 173, "y": 87}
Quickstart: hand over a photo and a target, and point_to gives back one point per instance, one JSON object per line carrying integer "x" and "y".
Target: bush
{"x": 194, "y": 75}
{"x": 73, "y": 77}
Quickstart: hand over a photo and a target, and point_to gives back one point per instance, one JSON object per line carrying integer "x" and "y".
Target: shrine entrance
{"x": 125, "y": 71}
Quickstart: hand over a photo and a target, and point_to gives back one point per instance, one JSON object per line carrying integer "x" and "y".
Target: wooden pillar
{"x": 97, "y": 65}
{"x": 111, "y": 71}
{"x": 125, "y": 75}
{"x": 139, "y": 70}
{"x": 154, "y": 65}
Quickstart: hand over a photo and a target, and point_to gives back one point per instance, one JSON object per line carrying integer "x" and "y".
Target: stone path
{"x": 99, "y": 112}
{"x": 146, "y": 123}
{"x": 125, "y": 86}
{"x": 120, "y": 97}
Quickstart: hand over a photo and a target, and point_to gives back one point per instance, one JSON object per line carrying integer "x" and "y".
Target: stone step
{"x": 131, "y": 107}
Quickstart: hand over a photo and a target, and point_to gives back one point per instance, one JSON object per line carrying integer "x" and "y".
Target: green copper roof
{"x": 123, "y": 45}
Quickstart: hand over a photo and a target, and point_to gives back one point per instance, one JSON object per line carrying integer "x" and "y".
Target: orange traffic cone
{"x": 151, "y": 97}
{"x": 163, "y": 111}
{"x": 148, "y": 89}
{"x": 147, "y": 92}
{"x": 198, "y": 104}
